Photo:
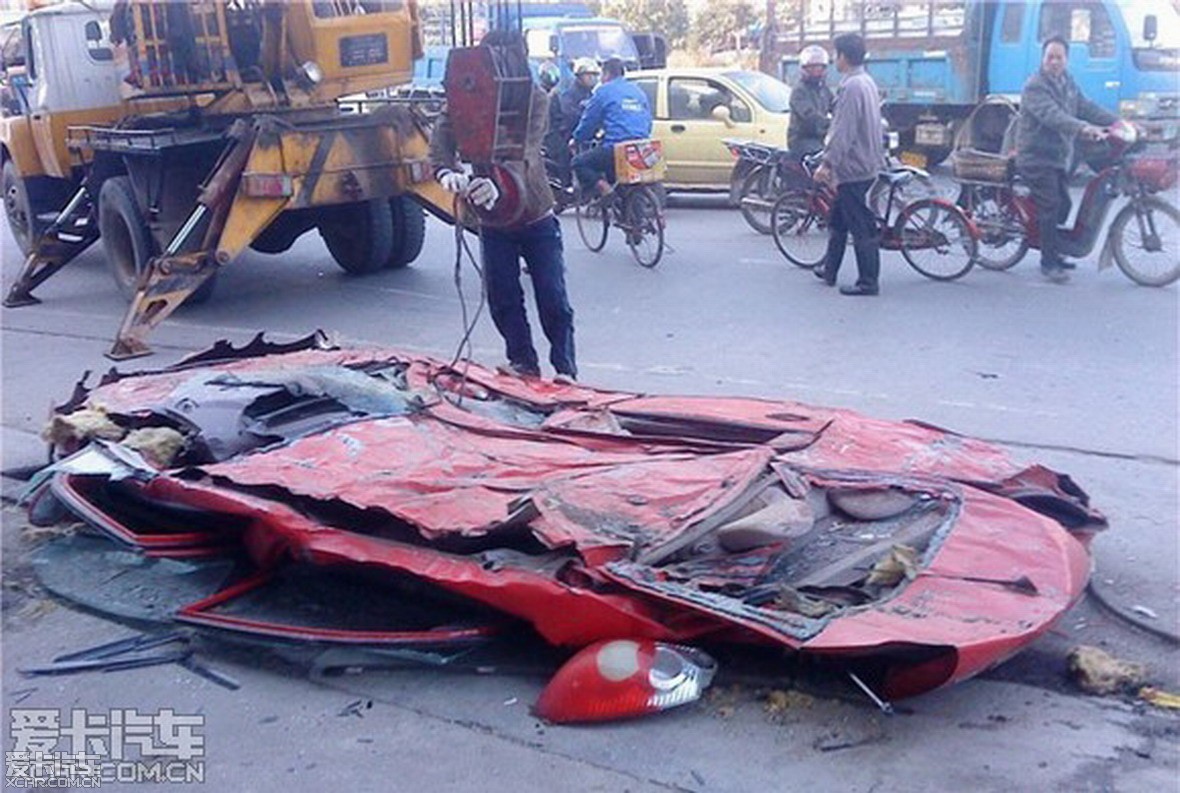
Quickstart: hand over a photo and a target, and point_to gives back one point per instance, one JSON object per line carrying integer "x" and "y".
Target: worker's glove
{"x": 453, "y": 181}
{"x": 1092, "y": 133}
{"x": 483, "y": 193}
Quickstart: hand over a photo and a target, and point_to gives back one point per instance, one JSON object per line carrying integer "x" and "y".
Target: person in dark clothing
{"x": 1053, "y": 112}
{"x": 621, "y": 110}
{"x": 565, "y": 109}
{"x": 535, "y": 237}
{"x": 811, "y": 104}
{"x": 852, "y": 160}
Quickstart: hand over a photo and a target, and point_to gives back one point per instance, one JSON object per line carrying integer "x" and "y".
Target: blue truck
{"x": 559, "y": 32}
{"x": 936, "y": 60}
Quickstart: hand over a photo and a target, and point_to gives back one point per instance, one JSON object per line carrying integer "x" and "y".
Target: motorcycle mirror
{"x": 721, "y": 113}
{"x": 1150, "y": 28}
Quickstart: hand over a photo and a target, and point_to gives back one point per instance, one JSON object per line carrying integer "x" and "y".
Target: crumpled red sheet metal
{"x": 606, "y": 487}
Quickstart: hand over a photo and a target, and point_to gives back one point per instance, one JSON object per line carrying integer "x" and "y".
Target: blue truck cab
{"x": 936, "y": 60}
{"x": 557, "y": 32}
{"x": 1124, "y": 55}
{"x": 565, "y": 39}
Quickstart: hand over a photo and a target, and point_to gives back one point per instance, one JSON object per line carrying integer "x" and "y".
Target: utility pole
{"x": 768, "y": 44}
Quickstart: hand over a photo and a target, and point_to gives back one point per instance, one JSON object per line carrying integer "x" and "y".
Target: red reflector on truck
{"x": 267, "y": 185}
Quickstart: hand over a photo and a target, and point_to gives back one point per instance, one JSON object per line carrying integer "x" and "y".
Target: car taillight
{"x": 622, "y": 678}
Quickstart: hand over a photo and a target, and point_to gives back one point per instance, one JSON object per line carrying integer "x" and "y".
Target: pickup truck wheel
{"x": 129, "y": 244}
{"x": 22, "y": 220}
{"x": 409, "y": 231}
{"x": 359, "y": 236}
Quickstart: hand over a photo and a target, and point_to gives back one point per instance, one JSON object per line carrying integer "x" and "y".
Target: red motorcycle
{"x": 1143, "y": 239}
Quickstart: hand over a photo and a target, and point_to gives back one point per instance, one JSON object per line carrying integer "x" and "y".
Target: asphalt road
{"x": 1083, "y": 377}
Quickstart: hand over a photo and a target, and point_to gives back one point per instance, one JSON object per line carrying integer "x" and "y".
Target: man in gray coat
{"x": 854, "y": 157}
{"x": 1053, "y": 113}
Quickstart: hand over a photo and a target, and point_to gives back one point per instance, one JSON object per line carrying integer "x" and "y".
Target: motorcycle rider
{"x": 1053, "y": 112}
{"x": 565, "y": 109}
{"x": 621, "y": 110}
{"x": 811, "y": 103}
{"x": 548, "y": 75}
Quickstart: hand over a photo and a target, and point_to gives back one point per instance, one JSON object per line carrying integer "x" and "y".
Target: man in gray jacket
{"x": 854, "y": 156}
{"x": 1052, "y": 113}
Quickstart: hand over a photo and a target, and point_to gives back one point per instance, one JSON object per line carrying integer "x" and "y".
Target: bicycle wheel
{"x": 593, "y": 222}
{"x": 1145, "y": 235}
{"x": 644, "y": 226}
{"x": 800, "y": 231}
{"x": 758, "y": 193}
{"x": 1002, "y": 241}
{"x": 936, "y": 239}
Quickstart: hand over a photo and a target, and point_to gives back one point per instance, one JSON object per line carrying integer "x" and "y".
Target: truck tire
{"x": 19, "y": 209}
{"x": 359, "y": 236}
{"x": 935, "y": 155}
{"x": 409, "y": 231}
{"x": 124, "y": 233}
{"x": 128, "y": 243}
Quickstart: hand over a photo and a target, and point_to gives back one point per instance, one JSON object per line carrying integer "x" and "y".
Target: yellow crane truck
{"x": 181, "y": 132}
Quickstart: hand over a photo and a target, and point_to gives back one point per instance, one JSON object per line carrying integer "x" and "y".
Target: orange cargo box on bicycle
{"x": 639, "y": 162}
{"x": 633, "y": 206}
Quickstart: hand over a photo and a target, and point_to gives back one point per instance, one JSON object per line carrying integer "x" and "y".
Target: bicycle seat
{"x": 898, "y": 176}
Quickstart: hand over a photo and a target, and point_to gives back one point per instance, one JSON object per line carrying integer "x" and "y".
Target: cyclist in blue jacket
{"x": 621, "y": 110}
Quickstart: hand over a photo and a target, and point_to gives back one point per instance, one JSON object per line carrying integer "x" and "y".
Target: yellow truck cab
{"x": 181, "y": 132}
{"x": 62, "y": 73}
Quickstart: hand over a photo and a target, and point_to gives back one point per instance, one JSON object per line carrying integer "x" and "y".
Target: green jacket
{"x": 1052, "y": 112}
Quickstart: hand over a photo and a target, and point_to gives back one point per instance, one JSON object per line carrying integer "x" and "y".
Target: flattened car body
{"x": 595, "y": 515}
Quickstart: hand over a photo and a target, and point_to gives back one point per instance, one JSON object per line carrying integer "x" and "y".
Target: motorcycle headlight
{"x": 1132, "y": 108}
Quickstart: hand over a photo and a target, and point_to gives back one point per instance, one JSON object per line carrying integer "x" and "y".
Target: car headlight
{"x": 1131, "y": 108}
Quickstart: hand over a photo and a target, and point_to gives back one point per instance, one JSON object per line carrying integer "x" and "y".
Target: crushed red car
{"x": 924, "y": 556}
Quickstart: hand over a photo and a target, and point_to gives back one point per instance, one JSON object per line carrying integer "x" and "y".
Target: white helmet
{"x": 586, "y": 66}
{"x": 813, "y": 55}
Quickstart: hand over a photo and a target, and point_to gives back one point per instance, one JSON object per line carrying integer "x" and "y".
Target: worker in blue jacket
{"x": 621, "y": 110}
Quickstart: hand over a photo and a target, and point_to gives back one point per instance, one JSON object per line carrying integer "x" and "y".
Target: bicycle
{"x": 633, "y": 206}
{"x": 771, "y": 171}
{"x": 1143, "y": 239}
{"x": 935, "y": 226}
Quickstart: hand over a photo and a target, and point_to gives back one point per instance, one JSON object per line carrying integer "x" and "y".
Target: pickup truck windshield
{"x": 772, "y": 94}
{"x": 597, "y": 41}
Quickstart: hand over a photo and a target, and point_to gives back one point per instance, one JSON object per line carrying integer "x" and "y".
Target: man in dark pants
{"x": 1052, "y": 113}
{"x": 621, "y": 110}
{"x": 535, "y": 237}
{"x": 854, "y": 156}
